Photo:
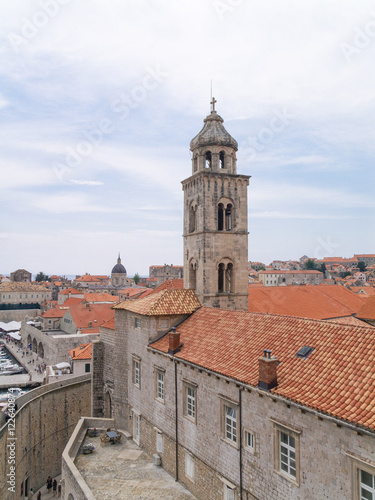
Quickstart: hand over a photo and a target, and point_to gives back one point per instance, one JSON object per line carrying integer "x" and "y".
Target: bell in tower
{"x": 215, "y": 219}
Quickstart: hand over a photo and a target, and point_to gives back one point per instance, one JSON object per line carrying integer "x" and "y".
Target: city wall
{"x": 44, "y": 422}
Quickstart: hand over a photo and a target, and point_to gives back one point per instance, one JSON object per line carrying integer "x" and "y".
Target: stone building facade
{"x": 303, "y": 277}
{"x": 200, "y": 390}
{"x": 164, "y": 273}
{"x": 215, "y": 219}
{"x": 21, "y": 275}
{"x": 13, "y": 293}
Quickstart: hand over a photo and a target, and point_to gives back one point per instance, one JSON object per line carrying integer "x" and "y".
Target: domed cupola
{"x": 214, "y": 148}
{"x": 118, "y": 268}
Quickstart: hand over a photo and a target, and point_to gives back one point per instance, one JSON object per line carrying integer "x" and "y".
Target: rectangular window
{"x": 229, "y": 493}
{"x": 159, "y": 442}
{"x": 190, "y": 401}
{"x": 366, "y": 485}
{"x": 159, "y": 384}
{"x": 87, "y": 367}
{"x": 189, "y": 466}
{"x": 288, "y": 454}
{"x": 250, "y": 441}
{"x": 231, "y": 424}
{"x": 137, "y": 372}
{"x": 137, "y": 323}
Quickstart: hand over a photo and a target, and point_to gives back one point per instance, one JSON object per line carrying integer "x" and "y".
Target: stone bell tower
{"x": 215, "y": 219}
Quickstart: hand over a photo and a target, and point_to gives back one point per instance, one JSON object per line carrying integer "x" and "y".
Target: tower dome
{"x": 118, "y": 268}
{"x": 213, "y": 133}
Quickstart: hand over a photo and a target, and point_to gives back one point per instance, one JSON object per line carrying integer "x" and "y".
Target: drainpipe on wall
{"x": 174, "y": 346}
{"x": 240, "y": 434}
{"x": 175, "y": 391}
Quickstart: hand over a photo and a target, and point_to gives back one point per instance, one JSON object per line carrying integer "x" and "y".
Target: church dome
{"x": 213, "y": 133}
{"x": 118, "y": 268}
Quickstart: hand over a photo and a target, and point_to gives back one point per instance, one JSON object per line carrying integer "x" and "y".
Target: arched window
{"x": 208, "y": 159}
{"x": 228, "y": 217}
{"x": 226, "y": 277}
{"x": 195, "y": 164}
{"x": 193, "y": 275}
{"x": 221, "y": 159}
{"x": 221, "y": 277}
{"x": 220, "y": 217}
{"x": 192, "y": 218}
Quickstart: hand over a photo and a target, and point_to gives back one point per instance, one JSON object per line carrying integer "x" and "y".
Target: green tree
{"x": 310, "y": 264}
{"x": 136, "y": 278}
{"x": 361, "y": 266}
{"x": 261, "y": 268}
{"x": 41, "y": 277}
{"x": 323, "y": 269}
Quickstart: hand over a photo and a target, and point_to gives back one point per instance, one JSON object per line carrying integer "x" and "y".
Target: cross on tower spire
{"x": 213, "y": 102}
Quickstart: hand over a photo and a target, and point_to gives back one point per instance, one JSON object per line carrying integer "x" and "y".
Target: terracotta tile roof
{"x": 81, "y": 352}
{"x": 100, "y": 297}
{"x": 337, "y": 378}
{"x": 21, "y": 286}
{"x": 368, "y": 290}
{"x": 367, "y": 311}
{"x": 109, "y": 324}
{"x": 58, "y": 283}
{"x": 97, "y": 314}
{"x": 348, "y": 320}
{"x": 88, "y": 278}
{"x": 364, "y": 255}
{"x": 54, "y": 313}
{"x": 165, "y": 302}
{"x": 307, "y": 301}
{"x": 68, "y": 291}
{"x": 72, "y": 301}
{"x": 175, "y": 284}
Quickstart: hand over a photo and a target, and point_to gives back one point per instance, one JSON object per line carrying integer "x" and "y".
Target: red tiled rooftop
{"x": 109, "y": 324}
{"x": 367, "y": 311}
{"x": 175, "y": 284}
{"x": 70, "y": 291}
{"x": 165, "y": 302}
{"x": 338, "y": 381}
{"x": 97, "y": 314}
{"x": 54, "y": 313}
{"x": 81, "y": 352}
{"x": 100, "y": 297}
{"x": 307, "y": 301}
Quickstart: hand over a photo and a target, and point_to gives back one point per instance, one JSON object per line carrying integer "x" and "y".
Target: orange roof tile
{"x": 331, "y": 380}
{"x": 81, "y": 352}
{"x": 54, "y": 313}
{"x": 109, "y": 324}
{"x": 97, "y": 314}
{"x": 72, "y": 301}
{"x": 175, "y": 284}
{"x": 275, "y": 271}
{"x": 165, "y": 302}
{"x": 69, "y": 290}
{"x": 307, "y": 301}
{"x": 367, "y": 311}
{"x": 100, "y": 297}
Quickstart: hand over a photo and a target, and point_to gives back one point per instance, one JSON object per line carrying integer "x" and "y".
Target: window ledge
{"x": 231, "y": 443}
{"x": 290, "y": 479}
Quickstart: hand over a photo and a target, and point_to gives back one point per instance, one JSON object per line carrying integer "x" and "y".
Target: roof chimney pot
{"x": 267, "y": 371}
{"x": 174, "y": 341}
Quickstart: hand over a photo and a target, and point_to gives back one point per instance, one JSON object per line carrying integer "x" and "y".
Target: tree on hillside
{"x": 361, "y": 266}
{"x": 323, "y": 269}
{"x": 310, "y": 264}
{"x": 41, "y": 277}
{"x": 136, "y": 278}
{"x": 261, "y": 268}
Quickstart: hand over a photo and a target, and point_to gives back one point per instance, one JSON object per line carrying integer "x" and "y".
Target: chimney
{"x": 267, "y": 371}
{"x": 174, "y": 341}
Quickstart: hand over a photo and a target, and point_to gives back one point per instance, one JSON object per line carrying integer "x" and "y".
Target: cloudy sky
{"x": 99, "y": 101}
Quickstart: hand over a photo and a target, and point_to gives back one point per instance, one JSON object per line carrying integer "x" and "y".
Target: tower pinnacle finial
{"x": 213, "y": 102}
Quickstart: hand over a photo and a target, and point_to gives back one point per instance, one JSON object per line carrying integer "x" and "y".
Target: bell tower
{"x": 215, "y": 219}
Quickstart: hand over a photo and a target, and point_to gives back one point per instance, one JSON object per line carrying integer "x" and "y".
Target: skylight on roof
{"x": 304, "y": 352}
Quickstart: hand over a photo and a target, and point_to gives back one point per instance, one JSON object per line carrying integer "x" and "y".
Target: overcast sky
{"x": 99, "y": 101}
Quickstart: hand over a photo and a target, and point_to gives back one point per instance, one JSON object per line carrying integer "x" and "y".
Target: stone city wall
{"x": 44, "y": 421}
